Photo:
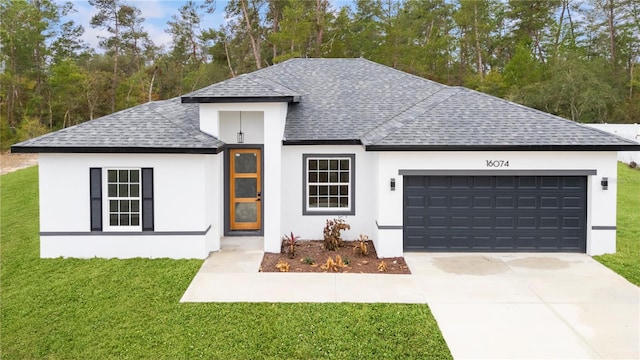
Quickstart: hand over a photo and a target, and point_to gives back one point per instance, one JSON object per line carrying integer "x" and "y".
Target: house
{"x": 416, "y": 165}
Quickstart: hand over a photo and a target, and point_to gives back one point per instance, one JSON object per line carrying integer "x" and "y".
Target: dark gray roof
{"x": 158, "y": 126}
{"x": 457, "y": 117}
{"x": 242, "y": 87}
{"x": 338, "y": 101}
{"x": 342, "y": 100}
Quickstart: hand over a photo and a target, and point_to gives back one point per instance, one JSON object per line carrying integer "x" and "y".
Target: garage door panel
{"x": 526, "y": 222}
{"x": 482, "y": 202}
{"x": 482, "y": 222}
{"x": 550, "y": 182}
{"x": 505, "y": 222}
{"x": 526, "y": 182}
{"x": 549, "y": 202}
{"x": 505, "y": 202}
{"x": 437, "y": 182}
{"x": 571, "y": 202}
{"x": 549, "y": 222}
{"x": 416, "y": 221}
{"x": 437, "y": 202}
{"x": 496, "y": 213}
{"x": 505, "y": 182}
{"x": 572, "y": 183}
{"x": 415, "y": 202}
{"x": 460, "y": 202}
{"x": 527, "y": 202}
{"x": 571, "y": 222}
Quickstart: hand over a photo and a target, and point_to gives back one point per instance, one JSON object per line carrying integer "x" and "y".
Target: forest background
{"x": 574, "y": 58}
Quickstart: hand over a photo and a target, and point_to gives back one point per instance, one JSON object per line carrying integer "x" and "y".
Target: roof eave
{"x": 238, "y": 99}
{"x": 114, "y": 150}
{"x": 323, "y": 142}
{"x": 502, "y": 147}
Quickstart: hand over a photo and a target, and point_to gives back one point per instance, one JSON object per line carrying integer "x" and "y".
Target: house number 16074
{"x": 497, "y": 163}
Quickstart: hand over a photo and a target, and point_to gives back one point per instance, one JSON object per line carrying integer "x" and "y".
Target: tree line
{"x": 574, "y": 58}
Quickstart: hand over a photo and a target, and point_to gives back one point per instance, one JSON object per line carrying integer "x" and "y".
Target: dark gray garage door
{"x": 495, "y": 213}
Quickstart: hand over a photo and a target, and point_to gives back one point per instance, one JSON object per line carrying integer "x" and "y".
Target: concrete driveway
{"x": 488, "y": 306}
{"x": 536, "y": 306}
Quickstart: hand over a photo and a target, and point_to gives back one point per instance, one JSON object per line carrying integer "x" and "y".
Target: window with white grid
{"x": 329, "y": 184}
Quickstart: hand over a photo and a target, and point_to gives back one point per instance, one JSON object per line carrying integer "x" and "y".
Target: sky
{"x": 155, "y": 12}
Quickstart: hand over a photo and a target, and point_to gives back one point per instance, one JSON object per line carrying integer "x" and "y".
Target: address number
{"x": 497, "y": 163}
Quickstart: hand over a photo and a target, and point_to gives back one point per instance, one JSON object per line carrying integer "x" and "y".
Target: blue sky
{"x": 155, "y": 12}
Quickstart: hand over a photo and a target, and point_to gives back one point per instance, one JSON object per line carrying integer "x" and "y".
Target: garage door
{"x": 495, "y": 213}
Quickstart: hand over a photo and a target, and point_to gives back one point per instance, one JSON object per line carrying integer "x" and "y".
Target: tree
{"x": 185, "y": 30}
{"x": 26, "y": 30}
{"x": 113, "y": 15}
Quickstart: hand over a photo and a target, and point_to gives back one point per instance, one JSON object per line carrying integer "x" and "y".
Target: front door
{"x": 245, "y": 185}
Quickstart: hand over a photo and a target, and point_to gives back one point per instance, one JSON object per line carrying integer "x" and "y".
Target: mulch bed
{"x": 354, "y": 262}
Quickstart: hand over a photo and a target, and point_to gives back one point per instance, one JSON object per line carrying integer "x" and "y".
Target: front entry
{"x": 245, "y": 188}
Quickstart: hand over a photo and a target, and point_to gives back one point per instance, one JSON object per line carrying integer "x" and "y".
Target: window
{"x": 123, "y": 199}
{"x": 329, "y": 184}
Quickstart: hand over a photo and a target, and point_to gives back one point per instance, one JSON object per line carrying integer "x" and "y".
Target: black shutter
{"x": 95, "y": 190}
{"x": 147, "y": 199}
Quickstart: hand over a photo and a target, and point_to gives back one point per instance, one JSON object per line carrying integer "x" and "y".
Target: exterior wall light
{"x": 240, "y": 136}
{"x": 392, "y": 184}
{"x": 604, "y": 183}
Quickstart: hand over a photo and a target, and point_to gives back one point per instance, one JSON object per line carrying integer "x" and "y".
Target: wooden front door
{"x": 245, "y": 185}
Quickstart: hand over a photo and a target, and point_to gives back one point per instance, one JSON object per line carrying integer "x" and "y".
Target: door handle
{"x": 259, "y": 196}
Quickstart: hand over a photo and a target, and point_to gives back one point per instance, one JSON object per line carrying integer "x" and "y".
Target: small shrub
{"x": 308, "y": 260}
{"x": 633, "y": 165}
{"x": 289, "y": 245}
{"x": 339, "y": 261}
{"x": 332, "y": 230}
{"x": 361, "y": 245}
{"x": 346, "y": 261}
{"x": 382, "y": 266}
{"x": 283, "y": 266}
{"x": 332, "y": 265}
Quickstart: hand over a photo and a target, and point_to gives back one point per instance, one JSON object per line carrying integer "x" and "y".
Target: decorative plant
{"x": 282, "y": 266}
{"x": 289, "y": 245}
{"x": 332, "y": 229}
{"x": 361, "y": 245}
{"x": 308, "y": 260}
{"x": 382, "y": 266}
{"x": 333, "y": 265}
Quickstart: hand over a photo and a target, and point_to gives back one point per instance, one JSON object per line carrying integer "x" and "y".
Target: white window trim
{"x": 349, "y": 210}
{"x": 106, "y": 224}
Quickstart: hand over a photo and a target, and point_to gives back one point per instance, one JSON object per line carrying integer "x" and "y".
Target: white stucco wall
{"x": 184, "y": 220}
{"x": 310, "y": 227}
{"x": 601, "y": 203}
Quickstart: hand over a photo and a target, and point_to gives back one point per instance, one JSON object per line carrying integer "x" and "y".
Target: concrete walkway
{"x": 490, "y": 306}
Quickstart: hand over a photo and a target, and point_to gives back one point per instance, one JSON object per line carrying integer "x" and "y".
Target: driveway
{"x": 488, "y": 306}
{"x": 536, "y": 306}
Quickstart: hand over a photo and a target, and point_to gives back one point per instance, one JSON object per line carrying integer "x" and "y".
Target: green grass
{"x": 98, "y": 309}
{"x": 626, "y": 260}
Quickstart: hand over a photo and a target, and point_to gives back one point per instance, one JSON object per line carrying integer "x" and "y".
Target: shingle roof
{"x": 158, "y": 126}
{"x": 242, "y": 87}
{"x": 361, "y": 101}
{"x": 457, "y": 117}
{"x": 338, "y": 101}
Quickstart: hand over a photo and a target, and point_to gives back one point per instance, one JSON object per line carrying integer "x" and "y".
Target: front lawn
{"x": 626, "y": 260}
{"x": 97, "y": 309}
